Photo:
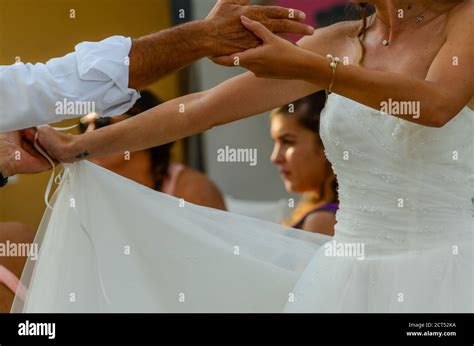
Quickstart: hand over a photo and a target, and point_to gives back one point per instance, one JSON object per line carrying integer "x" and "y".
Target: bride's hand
{"x": 57, "y": 145}
{"x": 275, "y": 58}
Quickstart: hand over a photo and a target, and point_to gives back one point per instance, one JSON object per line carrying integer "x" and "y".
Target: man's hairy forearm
{"x": 156, "y": 55}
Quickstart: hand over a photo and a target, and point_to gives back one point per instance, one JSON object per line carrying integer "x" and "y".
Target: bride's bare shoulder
{"x": 461, "y": 14}
{"x": 333, "y": 38}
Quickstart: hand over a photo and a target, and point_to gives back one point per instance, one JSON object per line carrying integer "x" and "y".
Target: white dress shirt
{"x": 94, "y": 77}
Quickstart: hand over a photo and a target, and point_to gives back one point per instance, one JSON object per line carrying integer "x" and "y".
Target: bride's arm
{"x": 235, "y": 99}
{"x": 432, "y": 101}
{"x": 446, "y": 90}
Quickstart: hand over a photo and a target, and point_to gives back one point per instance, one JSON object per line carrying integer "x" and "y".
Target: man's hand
{"x": 229, "y": 36}
{"x": 276, "y": 58}
{"x": 221, "y": 34}
{"x": 18, "y": 155}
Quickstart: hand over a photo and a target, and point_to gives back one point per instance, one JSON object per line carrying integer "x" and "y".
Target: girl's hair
{"x": 307, "y": 112}
{"x": 160, "y": 156}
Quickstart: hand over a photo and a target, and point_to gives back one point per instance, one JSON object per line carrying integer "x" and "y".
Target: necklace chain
{"x": 419, "y": 19}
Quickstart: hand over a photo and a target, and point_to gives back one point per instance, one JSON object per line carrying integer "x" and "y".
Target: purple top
{"x": 331, "y": 207}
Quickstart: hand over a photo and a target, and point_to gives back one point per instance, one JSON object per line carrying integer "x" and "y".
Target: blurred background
{"x": 38, "y": 30}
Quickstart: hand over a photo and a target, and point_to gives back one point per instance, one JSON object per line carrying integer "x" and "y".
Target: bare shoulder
{"x": 332, "y": 38}
{"x": 339, "y": 39}
{"x": 460, "y": 6}
{"x": 190, "y": 177}
{"x": 195, "y": 187}
{"x": 320, "y": 222}
{"x": 461, "y": 17}
{"x": 196, "y": 182}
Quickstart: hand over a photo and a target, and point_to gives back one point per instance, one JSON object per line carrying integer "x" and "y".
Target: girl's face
{"x": 299, "y": 156}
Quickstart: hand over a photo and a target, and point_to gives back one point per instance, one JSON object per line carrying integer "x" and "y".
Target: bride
{"x": 398, "y": 130}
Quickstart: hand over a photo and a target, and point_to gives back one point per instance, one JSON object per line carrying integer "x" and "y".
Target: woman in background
{"x": 154, "y": 167}
{"x": 299, "y": 155}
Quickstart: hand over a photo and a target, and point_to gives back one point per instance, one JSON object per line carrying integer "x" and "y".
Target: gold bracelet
{"x": 334, "y": 62}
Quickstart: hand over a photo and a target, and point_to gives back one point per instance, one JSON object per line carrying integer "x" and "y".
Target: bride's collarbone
{"x": 410, "y": 53}
{"x": 402, "y": 61}
{"x": 408, "y": 60}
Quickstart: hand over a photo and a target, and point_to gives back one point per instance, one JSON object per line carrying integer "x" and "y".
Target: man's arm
{"x": 94, "y": 78}
{"x": 156, "y": 55}
{"x": 104, "y": 75}
{"x": 221, "y": 33}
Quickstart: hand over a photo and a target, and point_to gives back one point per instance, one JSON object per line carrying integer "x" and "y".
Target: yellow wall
{"x": 37, "y": 30}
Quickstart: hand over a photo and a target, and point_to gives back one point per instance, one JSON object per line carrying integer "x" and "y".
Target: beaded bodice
{"x": 400, "y": 184}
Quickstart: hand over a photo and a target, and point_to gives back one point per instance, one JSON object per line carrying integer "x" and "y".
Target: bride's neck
{"x": 393, "y": 17}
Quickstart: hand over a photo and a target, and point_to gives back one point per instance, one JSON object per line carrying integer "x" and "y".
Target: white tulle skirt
{"x": 111, "y": 245}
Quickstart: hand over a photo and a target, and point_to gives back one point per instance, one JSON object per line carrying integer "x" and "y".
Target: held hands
{"x": 274, "y": 58}
{"x": 229, "y": 36}
{"x": 58, "y": 145}
{"x": 18, "y": 155}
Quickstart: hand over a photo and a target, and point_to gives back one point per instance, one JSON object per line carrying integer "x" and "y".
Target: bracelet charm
{"x": 334, "y": 62}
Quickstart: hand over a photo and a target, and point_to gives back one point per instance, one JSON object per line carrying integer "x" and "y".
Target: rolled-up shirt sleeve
{"x": 94, "y": 78}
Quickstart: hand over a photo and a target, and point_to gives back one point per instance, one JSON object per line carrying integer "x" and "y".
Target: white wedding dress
{"x": 403, "y": 242}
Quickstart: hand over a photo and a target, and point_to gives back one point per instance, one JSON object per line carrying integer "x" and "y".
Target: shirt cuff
{"x": 106, "y": 61}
